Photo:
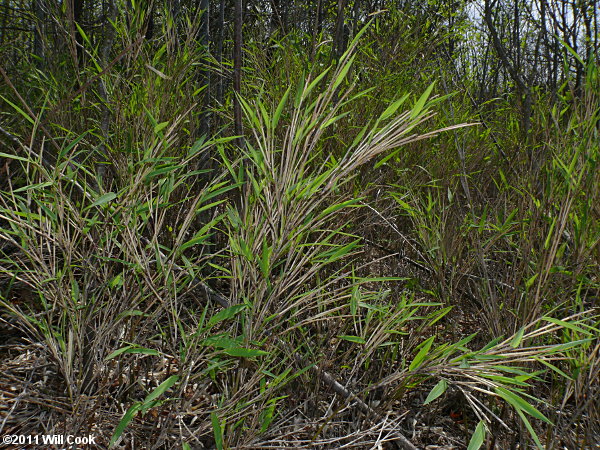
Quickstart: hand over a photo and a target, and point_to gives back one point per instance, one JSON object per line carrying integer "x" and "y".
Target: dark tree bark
{"x": 109, "y": 36}
{"x": 237, "y": 71}
{"x": 219, "y": 51}
{"x": 174, "y": 6}
{"x": 338, "y": 39}
{"x": 5, "y": 19}
{"x": 38, "y": 38}
{"x": 150, "y": 21}
{"x": 205, "y": 72}
{"x": 355, "y": 17}
{"x": 276, "y": 17}
{"x": 317, "y": 27}
{"x": 78, "y": 6}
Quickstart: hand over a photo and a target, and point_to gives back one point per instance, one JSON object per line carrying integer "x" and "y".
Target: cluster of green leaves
{"x": 279, "y": 220}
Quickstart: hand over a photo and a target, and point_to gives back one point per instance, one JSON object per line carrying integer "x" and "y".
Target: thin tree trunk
{"x": 5, "y": 19}
{"x": 78, "y": 6}
{"x": 205, "y": 73}
{"x": 219, "y": 51}
{"x": 150, "y": 21}
{"x": 316, "y": 28}
{"x": 38, "y": 38}
{"x": 276, "y": 19}
{"x": 339, "y": 43}
{"x": 237, "y": 71}
{"x": 338, "y": 39}
{"x": 109, "y": 35}
{"x": 355, "y": 15}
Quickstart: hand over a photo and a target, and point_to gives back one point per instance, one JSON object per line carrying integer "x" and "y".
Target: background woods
{"x": 327, "y": 223}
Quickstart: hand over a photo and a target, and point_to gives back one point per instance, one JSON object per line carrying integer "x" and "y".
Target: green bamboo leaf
{"x": 333, "y": 208}
{"x": 196, "y": 240}
{"x": 438, "y": 315}
{"x": 354, "y": 300}
{"x": 405, "y": 206}
{"x": 507, "y": 380}
{"x": 314, "y": 83}
{"x": 71, "y": 145}
{"x": 532, "y": 432}
{"x": 567, "y": 345}
{"x": 202, "y": 234}
{"x": 568, "y": 325}
{"x": 386, "y": 158}
{"x": 492, "y": 343}
{"x": 342, "y": 75}
{"x": 355, "y": 339}
{"x": 513, "y": 370}
{"x": 550, "y": 233}
{"x": 150, "y": 116}
{"x": 571, "y": 50}
{"x": 242, "y": 352}
{"x": 516, "y": 341}
{"x": 132, "y": 313}
{"x": 221, "y": 342}
{"x": 299, "y": 90}
{"x": 263, "y": 112}
{"x": 425, "y": 347}
{"x": 520, "y": 404}
{"x": 127, "y": 417}
{"x": 334, "y": 119}
{"x": 103, "y": 199}
{"x": 161, "y": 389}
{"x": 134, "y": 349}
{"x": 421, "y": 102}
{"x": 32, "y": 187}
{"x": 280, "y": 107}
{"x": 225, "y": 314}
{"x": 265, "y": 258}
{"x": 161, "y": 171}
{"x": 19, "y": 110}
{"x": 337, "y": 253}
{"x": 16, "y": 158}
{"x": 478, "y": 437}
{"x": 360, "y": 135}
{"x": 217, "y": 430}
{"x": 355, "y": 40}
{"x": 390, "y": 110}
{"x": 460, "y": 345}
{"x": 437, "y": 390}
{"x": 553, "y": 367}
{"x": 159, "y": 127}
{"x": 266, "y": 417}
{"x": 82, "y": 33}
{"x": 249, "y": 112}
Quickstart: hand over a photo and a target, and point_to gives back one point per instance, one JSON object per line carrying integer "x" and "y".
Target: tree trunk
{"x": 219, "y": 51}
{"x": 237, "y": 71}
{"x": 150, "y": 22}
{"x": 205, "y": 72}
{"x": 78, "y": 6}
{"x": 38, "y": 38}
{"x": 318, "y": 25}
{"x": 109, "y": 36}
{"x": 338, "y": 40}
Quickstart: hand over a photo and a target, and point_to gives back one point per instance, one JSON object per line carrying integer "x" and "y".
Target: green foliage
{"x": 151, "y": 401}
{"x": 344, "y": 258}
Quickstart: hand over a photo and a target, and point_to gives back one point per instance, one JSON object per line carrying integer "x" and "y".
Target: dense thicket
{"x": 324, "y": 224}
